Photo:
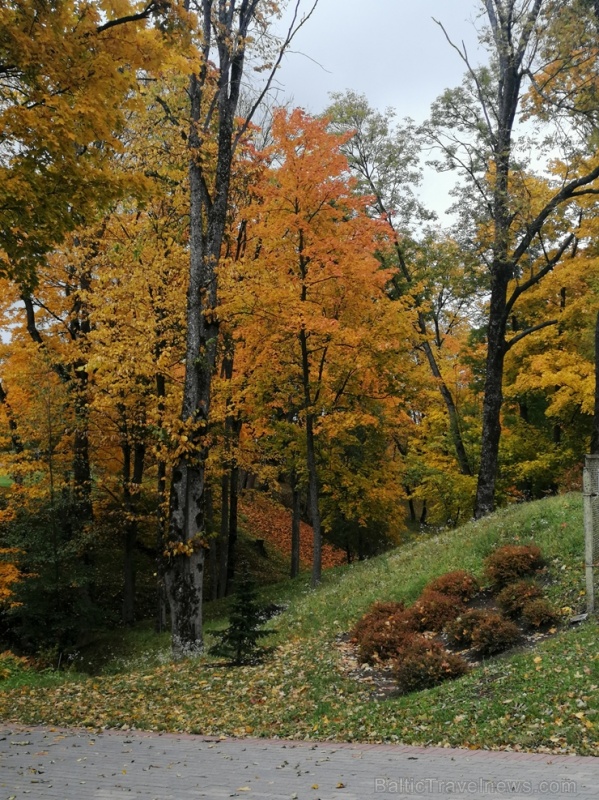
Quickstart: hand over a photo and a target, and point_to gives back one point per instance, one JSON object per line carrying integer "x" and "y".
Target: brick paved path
{"x": 51, "y": 764}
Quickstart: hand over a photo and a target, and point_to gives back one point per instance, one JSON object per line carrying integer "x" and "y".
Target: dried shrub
{"x": 433, "y": 610}
{"x": 459, "y": 631}
{"x": 11, "y": 664}
{"x": 539, "y": 613}
{"x": 512, "y": 598}
{"x": 423, "y": 663}
{"x": 384, "y": 637}
{"x": 460, "y": 584}
{"x": 510, "y": 563}
{"x": 379, "y": 610}
{"x": 494, "y": 634}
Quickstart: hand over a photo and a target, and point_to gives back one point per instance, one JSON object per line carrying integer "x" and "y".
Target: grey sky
{"x": 390, "y": 50}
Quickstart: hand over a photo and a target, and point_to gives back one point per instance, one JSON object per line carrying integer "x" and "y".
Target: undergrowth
{"x": 544, "y": 699}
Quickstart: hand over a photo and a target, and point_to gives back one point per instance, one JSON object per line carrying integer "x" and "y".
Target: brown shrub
{"x": 494, "y": 634}
{"x": 539, "y": 613}
{"x": 382, "y": 639}
{"x": 379, "y": 610}
{"x": 511, "y": 562}
{"x": 423, "y": 663}
{"x": 459, "y": 584}
{"x": 459, "y": 631}
{"x": 512, "y": 598}
{"x": 433, "y": 610}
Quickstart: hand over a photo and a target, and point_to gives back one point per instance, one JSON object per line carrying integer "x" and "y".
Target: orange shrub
{"x": 459, "y": 584}
{"x": 539, "y": 613}
{"x": 459, "y": 631}
{"x": 384, "y": 637}
{"x": 512, "y": 598}
{"x": 423, "y": 663}
{"x": 433, "y": 610}
{"x": 511, "y": 562}
{"x": 494, "y": 634}
{"x": 379, "y": 610}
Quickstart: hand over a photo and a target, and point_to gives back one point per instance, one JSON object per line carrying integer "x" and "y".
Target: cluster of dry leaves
{"x": 272, "y": 522}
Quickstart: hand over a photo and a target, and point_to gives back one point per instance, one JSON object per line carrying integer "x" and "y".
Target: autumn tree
{"x": 224, "y": 31}
{"x": 384, "y": 156}
{"x": 314, "y": 318}
{"x": 475, "y": 128}
{"x": 68, "y": 75}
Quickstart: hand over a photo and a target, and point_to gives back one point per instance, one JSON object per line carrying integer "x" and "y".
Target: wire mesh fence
{"x": 590, "y": 490}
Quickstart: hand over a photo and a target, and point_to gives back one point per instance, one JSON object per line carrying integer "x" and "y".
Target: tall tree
{"x": 225, "y": 30}
{"x": 384, "y": 157}
{"x": 68, "y": 78}
{"x": 314, "y": 319}
{"x": 475, "y": 127}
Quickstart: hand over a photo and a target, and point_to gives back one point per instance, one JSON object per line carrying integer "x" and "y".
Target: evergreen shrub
{"x": 240, "y": 641}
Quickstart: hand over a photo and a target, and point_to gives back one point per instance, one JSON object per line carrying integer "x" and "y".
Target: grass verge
{"x": 545, "y": 700}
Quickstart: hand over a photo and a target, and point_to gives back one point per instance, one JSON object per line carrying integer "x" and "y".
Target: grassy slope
{"x": 543, "y": 700}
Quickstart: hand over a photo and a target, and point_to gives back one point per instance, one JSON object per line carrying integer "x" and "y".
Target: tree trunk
{"x": 223, "y": 539}
{"x": 15, "y": 439}
{"x": 423, "y": 513}
{"x": 161, "y": 601}
{"x": 229, "y": 487}
{"x": 452, "y": 411}
{"x": 214, "y": 542}
{"x": 131, "y": 486}
{"x": 314, "y": 506}
{"x": 295, "y": 527}
{"x": 223, "y": 40}
{"x": 76, "y": 378}
{"x": 132, "y": 478}
{"x": 185, "y": 567}
{"x": 161, "y": 516}
{"x": 493, "y": 400}
{"x": 595, "y": 431}
{"x": 313, "y": 487}
{"x": 233, "y": 517}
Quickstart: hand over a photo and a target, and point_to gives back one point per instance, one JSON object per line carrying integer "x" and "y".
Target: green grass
{"x": 5, "y": 482}
{"x": 546, "y": 699}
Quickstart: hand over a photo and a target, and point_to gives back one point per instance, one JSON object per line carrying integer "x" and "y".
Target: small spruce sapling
{"x": 239, "y": 642}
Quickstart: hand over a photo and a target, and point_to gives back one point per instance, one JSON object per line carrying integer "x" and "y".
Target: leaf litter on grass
{"x": 302, "y": 691}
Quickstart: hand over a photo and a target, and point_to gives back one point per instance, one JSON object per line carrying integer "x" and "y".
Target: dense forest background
{"x": 203, "y": 294}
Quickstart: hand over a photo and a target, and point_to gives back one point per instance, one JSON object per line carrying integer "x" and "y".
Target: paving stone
{"x": 53, "y": 764}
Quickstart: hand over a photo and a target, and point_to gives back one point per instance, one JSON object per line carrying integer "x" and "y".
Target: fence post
{"x": 590, "y": 493}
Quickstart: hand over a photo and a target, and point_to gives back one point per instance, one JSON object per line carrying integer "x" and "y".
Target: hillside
{"x": 272, "y": 522}
{"x": 544, "y": 699}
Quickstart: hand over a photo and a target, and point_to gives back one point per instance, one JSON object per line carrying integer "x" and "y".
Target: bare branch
{"x": 527, "y": 331}
{"x": 294, "y": 27}
{"x": 152, "y": 6}
{"x": 464, "y": 56}
{"x": 551, "y": 262}
{"x": 567, "y": 192}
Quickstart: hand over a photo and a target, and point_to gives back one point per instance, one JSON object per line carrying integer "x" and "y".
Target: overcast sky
{"x": 390, "y": 50}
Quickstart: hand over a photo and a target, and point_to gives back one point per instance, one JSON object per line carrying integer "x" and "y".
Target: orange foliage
{"x": 9, "y": 575}
{"x": 269, "y": 521}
